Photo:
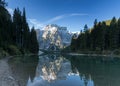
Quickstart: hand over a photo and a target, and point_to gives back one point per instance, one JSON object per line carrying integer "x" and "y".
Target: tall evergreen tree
{"x": 100, "y": 37}
{"x": 15, "y": 33}
{"x": 87, "y": 37}
{"x": 5, "y": 26}
{"x": 3, "y": 3}
{"x": 23, "y": 36}
{"x": 26, "y": 32}
{"x": 94, "y": 35}
{"x": 103, "y": 31}
{"x": 118, "y": 27}
{"x": 74, "y": 44}
{"x": 34, "y": 47}
{"x": 113, "y": 33}
{"x": 17, "y": 21}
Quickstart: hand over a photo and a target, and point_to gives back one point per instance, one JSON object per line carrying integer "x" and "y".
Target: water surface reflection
{"x": 56, "y": 70}
{"x": 23, "y": 67}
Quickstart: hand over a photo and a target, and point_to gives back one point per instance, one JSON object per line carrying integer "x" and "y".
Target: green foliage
{"x": 73, "y": 44}
{"x": 102, "y": 36}
{"x": 24, "y": 38}
{"x": 34, "y": 47}
{"x": 107, "y": 22}
{"x": 3, "y": 53}
{"x": 3, "y": 3}
{"x": 13, "y": 50}
{"x": 15, "y": 35}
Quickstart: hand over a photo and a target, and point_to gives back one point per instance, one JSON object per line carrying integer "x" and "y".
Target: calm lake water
{"x": 57, "y": 70}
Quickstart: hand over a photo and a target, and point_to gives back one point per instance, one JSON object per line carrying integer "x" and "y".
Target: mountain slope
{"x": 54, "y": 37}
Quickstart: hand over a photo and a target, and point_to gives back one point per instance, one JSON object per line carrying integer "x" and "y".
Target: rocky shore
{"x": 6, "y": 75}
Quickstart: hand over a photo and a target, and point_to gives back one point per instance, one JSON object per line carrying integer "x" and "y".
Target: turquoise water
{"x": 58, "y": 70}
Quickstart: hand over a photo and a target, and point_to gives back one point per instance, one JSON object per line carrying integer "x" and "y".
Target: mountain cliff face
{"x": 53, "y": 37}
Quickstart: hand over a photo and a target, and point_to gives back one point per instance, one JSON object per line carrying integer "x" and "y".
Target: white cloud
{"x": 35, "y": 23}
{"x": 56, "y": 18}
{"x": 78, "y": 14}
{"x": 65, "y": 15}
{"x": 10, "y": 10}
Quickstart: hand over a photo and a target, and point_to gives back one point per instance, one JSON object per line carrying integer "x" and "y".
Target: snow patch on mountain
{"x": 54, "y": 35}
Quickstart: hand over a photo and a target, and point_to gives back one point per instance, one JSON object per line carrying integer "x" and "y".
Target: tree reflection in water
{"x": 56, "y": 70}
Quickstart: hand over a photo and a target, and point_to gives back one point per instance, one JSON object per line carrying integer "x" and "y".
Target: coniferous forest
{"x": 17, "y": 38}
{"x": 15, "y": 35}
{"x": 102, "y": 37}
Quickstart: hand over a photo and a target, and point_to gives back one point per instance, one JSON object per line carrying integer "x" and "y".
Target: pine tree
{"x": 103, "y": 31}
{"x": 87, "y": 37}
{"x": 5, "y": 26}
{"x": 17, "y": 22}
{"x": 113, "y": 34}
{"x": 118, "y": 27}
{"x": 26, "y": 32}
{"x": 3, "y": 3}
{"x": 34, "y": 47}
{"x": 74, "y": 44}
{"x": 16, "y": 33}
{"x": 94, "y": 35}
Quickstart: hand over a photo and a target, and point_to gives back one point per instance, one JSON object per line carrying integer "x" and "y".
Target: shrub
{"x": 13, "y": 50}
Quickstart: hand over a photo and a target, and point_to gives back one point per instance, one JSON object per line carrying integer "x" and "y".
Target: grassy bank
{"x": 114, "y": 53}
{"x": 13, "y": 50}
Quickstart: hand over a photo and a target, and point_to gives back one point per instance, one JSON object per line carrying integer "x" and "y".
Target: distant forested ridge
{"x": 103, "y": 36}
{"x": 15, "y": 34}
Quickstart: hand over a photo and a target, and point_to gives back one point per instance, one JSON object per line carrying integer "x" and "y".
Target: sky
{"x": 73, "y": 14}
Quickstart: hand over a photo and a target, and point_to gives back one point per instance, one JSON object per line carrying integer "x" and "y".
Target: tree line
{"x": 15, "y": 32}
{"x": 101, "y": 37}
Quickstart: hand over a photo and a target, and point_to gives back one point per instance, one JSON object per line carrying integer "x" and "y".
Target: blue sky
{"x": 73, "y": 14}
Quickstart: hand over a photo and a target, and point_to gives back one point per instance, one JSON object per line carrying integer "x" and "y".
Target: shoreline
{"x": 81, "y": 54}
{"x": 6, "y": 76}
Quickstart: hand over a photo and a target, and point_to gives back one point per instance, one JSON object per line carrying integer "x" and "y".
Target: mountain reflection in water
{"x": 55, "y": 70}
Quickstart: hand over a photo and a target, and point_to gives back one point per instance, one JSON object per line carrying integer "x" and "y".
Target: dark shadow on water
{"x": 58, "y": 70}
{"x": 23, "y": 67}
{"x": 103, "y": 71}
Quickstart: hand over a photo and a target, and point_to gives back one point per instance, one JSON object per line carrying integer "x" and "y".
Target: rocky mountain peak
{"x": 54, "y": 35}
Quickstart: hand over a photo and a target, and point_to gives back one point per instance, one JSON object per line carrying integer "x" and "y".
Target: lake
{"x": 58, "y": 70}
